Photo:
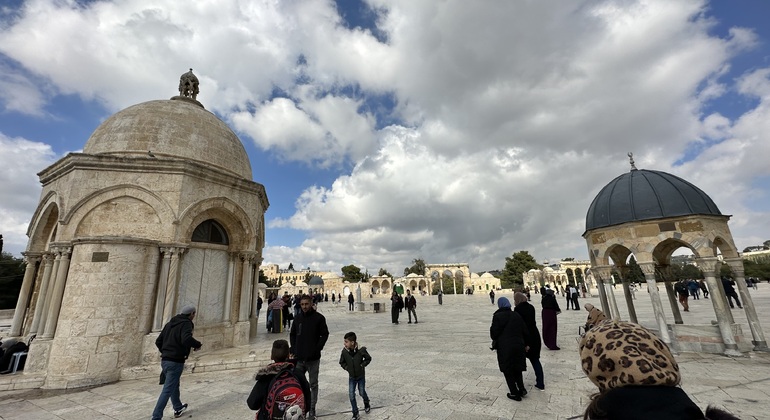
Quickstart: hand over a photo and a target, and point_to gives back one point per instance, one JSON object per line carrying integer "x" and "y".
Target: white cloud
{"x": 19, "y": 187}
{"x": 511, "y": 115}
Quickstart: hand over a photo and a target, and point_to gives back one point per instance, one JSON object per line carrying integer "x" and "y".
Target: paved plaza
{"x": 441, "y": 368}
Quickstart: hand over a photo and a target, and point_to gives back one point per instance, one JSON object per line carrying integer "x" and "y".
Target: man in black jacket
{"x": 308, "y": 337}
{"x": 174, "y": 343}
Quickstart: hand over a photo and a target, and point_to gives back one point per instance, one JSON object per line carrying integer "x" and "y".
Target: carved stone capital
{"x": 247, "y": 256}
{"x": 736, "y": 265}
{"x": 602, "y": 272}
{"x": 172, "y": 250}
{"x": 32, "y": 257}
{"x": 648, "y": 268}
{"x": 708, "y": 264}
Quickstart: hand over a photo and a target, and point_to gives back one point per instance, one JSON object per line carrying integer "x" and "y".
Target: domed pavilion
{"x": 651, "y": 214}
{"x": 159, "y": 211}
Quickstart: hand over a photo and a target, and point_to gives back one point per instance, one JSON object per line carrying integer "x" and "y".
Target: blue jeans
{"x": 173, "y": 371}
{"x": 311, "y": 367}
{"x": 361, "y": 383}
{"x": 538, "y": 368}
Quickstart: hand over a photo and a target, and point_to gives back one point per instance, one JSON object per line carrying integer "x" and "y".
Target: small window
{"x": 667, "y": 226}
{"x": 210, "y": 232}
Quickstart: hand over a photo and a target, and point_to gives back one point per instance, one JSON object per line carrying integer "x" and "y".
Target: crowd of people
{"x": 632, "y": 369}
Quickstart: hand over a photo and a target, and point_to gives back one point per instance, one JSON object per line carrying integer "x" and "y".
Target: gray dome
{"x": 646, "y": 195}
{"x": 315, "y": 281}
{"x": 171, "y": 128}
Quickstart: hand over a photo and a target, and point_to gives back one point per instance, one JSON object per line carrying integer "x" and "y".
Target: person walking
{"x": 703, "y": 288}
{"x": 492, "y": 296}
{"x": 259, "y": 305}
{"x": 527, "y": 312}
{"x": 573, "y": 291}
{"x": 730, "y": 292}
{"x": 351, "y": 301}
{"x": 394, "y": 307}
{"x": 683, "y": 293}
{"x": 549, "y": 312}
{"x": 440, "y": 297}
{"x": 411, "y": 303}
{"x": 258, "y": 396}
{"x": 307, "y": 337}
{"x": 509, "y": 335}
{"x": 354, "y": 360}
{"x": 174, "y": 342}
{"x": 694, "y": 289}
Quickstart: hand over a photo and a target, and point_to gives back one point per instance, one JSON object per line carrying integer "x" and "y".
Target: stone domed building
{"x": 651, "y": 214}
{"x": 159, "y": 211}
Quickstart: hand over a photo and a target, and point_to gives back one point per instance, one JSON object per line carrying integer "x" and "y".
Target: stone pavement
{"x": 441, "y": 368}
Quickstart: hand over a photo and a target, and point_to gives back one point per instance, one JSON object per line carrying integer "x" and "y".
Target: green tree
{"x": 11, "y": 276}
{"x": 635, "y": 273}
{"x": 352, "y": 273}
{"x": 515, "y": 265}
{"x": 291, "y": 266}
{"x": 447, "y": 282}
{"x": 418, "y": 267}
{"x": 758, "y": 270}
{"x": 384, "y": 272}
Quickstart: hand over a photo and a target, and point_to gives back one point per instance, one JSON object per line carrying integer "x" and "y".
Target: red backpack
{"x": 283, "y": 392}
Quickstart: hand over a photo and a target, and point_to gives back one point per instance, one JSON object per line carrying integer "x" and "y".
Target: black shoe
{"x": 540, "y": 387}
{"x": 415, "y": 322}
{"x": 367, "y": 409}
{"x": 514, "y": 397}
{"x": 523, "y": 392}
{"x": 409, "y": 322}
{"x": 178, "y": 413}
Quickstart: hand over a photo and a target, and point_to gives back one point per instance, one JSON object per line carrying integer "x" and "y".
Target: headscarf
{"x": 503, "y": 302}
{"x": 615, "y": 354}
{"x": 518, "y": 298}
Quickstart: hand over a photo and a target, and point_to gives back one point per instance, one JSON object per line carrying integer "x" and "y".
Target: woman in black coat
{"x": 527, "y": 313}
{"x": 509, "y": 334}
{"x": 550, "y": 310}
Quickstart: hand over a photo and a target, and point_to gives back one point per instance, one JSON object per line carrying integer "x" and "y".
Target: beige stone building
{"x": 158, "y": 211}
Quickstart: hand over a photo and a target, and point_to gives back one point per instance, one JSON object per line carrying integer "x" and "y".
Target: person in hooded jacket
{"x": 550, "y": 325}
{"x": 637, "y": 376}
{"x": 509, "y": 335}
{"x": 280, "y": 356}
{"x": 527, "y": 313}
{"x": 174, "y": 342}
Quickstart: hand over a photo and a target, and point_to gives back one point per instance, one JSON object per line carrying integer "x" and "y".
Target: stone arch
{"x": 725, "y": 247}
{"x": 118, "y": 216}
{"x": 83, "y": 206}
{"x": 375, "y": 286}
{"x": 385, "y": 287}
{"x": 665, "y": 249}
{"x": 227, "y": 213}
{"x": 42, "y": 229}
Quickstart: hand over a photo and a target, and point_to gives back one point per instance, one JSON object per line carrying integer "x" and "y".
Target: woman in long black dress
{"x": 527, "y": 313}
{"x": 550, "y": 310}
{"x": 509, "y": 333}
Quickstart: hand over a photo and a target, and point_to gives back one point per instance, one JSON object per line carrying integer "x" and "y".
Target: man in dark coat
{"x": 351, "y": 301}
{"x": 730, "y": 294}
{"x": 509, "y": 334}
{"x": 527, "y": 313}
{"x": 174, "y": 343}
{"x": 308, "y": 337}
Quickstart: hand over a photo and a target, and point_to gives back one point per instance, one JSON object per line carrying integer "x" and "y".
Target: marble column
{"x": 629, "y": 302}
{"x": 51, "y": 283}
{"x": 160, "y": 285}
{"x": 757, "y": 335}
{"x": 172, "y": 283}
{"x": 229, "y": 286}
{"x": 673, "y": 300}
{"x": 57, "y": 293}
{"x": 42, "y": 292}
{"x": 254, "y": 288}
{"x": 721, "y": 286}
{"x": 709, "y": 266}
{"x": 648, "y": 268}
{"x": 610, "y": 291}
{"x": 601, "y": 274}
{"x": 245, "y": 300}
{"x": 32, "y": 258}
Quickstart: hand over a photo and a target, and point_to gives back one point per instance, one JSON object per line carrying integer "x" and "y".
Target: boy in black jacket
{"x": 258, "y": 395}
{"x": 354, "y": 360}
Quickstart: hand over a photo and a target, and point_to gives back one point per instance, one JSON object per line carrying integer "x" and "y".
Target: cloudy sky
{"x": 388, "y": 130}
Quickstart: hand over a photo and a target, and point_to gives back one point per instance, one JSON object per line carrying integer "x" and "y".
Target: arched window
{"x": 211, "y": 232}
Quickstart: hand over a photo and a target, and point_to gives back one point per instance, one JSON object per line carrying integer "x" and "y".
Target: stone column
{"x": 673, "y": 300}
{"x": 229, "y": 286}
{"x": 610, "y": 291}
{"x": 172, "y": 283}
{"x": 246, "y": 261}
{"x": 709, "y": 266}
{"x": 254, "y": 288}
{"x": 26, "y": 286}
{"x": 161, "y": 284}
{"x": 627, "y": 293}
{"x": 51, "y": 283}
{"x": 57, "y": 293}
{"x": 758, "y": 337}
{"x": 601, "y": 273}
{"x": 42, "y": 291}
{"x": 648, "y": 268}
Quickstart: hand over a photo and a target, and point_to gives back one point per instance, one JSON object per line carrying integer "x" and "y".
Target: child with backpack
{"x": 354, "y": 360}
{"x": 280, "y": 392}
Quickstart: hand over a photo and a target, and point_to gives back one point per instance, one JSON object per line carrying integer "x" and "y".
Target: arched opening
{"x": 210, "y": 231}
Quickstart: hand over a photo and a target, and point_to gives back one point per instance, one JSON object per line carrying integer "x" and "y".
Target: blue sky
{"x": 390, "y": 130}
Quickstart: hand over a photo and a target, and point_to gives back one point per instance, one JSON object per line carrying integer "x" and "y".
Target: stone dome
{"x": 646, "y": 195}
{"x": 176, "y": 128}
{"x": 315, "y": 281}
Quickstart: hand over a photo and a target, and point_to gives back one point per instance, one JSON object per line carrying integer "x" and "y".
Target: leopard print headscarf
{"x": 616, "y": 354}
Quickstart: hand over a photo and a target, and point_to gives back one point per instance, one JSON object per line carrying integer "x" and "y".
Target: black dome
{"x": 645, "y": 195}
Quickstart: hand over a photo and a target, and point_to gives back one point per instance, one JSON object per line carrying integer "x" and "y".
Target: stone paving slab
{"x": 441, "y": 368}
